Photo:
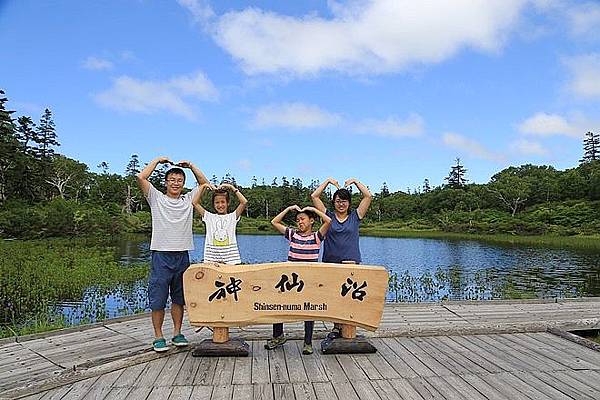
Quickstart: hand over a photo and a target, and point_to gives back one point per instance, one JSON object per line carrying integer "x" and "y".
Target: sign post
{"x": 222, "y": 296}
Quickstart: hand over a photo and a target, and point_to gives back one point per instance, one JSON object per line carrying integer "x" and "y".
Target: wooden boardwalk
{"x": 453, "y": 350}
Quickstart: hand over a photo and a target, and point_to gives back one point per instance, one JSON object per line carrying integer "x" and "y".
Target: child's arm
{"x": 243, "y": 201}
{"x": 198, "y": 198}
{"x": 276, "y": 222}
{"x": 200, "y": 178}
{"x": 316, "y": 195}
{"x": 143, "y": 175}
{"x": 324, "y": 218}
{"x": 365, "y": 202}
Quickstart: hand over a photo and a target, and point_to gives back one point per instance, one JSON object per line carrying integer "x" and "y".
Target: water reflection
{"x": 420, "y": 269}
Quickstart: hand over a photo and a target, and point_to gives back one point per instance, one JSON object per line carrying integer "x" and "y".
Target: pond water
{"x": 420, "y": 269}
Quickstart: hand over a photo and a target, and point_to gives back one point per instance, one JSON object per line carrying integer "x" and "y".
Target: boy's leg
{"x": 177, "y": 316}
{"x": 182, "y": 262}
{"x": 158, "y": 291}
{"x": 158, "y": 317}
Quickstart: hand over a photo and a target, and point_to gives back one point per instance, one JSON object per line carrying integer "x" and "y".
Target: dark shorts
{"x": 166, "y": 276}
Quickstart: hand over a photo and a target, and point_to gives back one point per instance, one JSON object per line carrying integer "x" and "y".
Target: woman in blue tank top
{"x": 342, "y": 238}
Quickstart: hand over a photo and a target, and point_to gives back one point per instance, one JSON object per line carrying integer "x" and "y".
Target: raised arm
{"x": 324, "y": 218}
{"x": 143, "y": 175}
{"x": 196, "y": 201}
{"x": 200, "y": 178}
{"x": 243, "y": 201}
{"x": 316, "y": 195}
{"x": 365, "y": 202}
{"x": 276, "y": 221}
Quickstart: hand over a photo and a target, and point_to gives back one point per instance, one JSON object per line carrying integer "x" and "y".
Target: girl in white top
{"x": 220, "y": 244}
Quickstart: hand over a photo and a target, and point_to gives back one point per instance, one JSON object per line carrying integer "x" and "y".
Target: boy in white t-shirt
{"x": 220, "y": 244}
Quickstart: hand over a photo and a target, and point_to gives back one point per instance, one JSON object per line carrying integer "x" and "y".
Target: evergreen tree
{"x": 8, "y": 147}
{"x": 214, "y": 180}
{"x": 104, "y": 167}
{"x": 46, "y": 136}
{"x": 254, "y": 181}
{"x": 26, "y": 133}
{"x": 426, "y": 187}
{"x": 385, "y": 192}
{"x": 456, "y": 178}
{"x": 133, "y": 167}
{"x": 591, "y": 147}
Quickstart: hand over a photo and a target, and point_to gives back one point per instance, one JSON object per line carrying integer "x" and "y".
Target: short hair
{"x": 220, "y": 192}
{"x": 175, "y": 171}
{"x": 342, "y": 194}
{"x": 309, "y": 214}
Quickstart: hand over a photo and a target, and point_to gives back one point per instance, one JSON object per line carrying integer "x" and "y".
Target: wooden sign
{"x": 221, "y": 295}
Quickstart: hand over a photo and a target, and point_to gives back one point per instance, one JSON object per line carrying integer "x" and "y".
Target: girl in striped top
{"x": 304, "y": 246}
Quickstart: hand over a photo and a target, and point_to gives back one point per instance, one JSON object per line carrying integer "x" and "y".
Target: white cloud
{"x": 585, "y": 71}
{"x": 470, "y": 147}
{"x": 135, "y": 95}
{"x": 244, "y": 164}
{"x": 97, "y": 64}
{"x": 375, "y": 36}
{"x": 293, "y": 115}
{"x": 584, "y": 18}
{"x": 393, "y": 127}
{"x": 527, "y": 147}
{"x": 542, "y": 124}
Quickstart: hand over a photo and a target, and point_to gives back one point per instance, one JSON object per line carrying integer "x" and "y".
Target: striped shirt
{"x": 303, "y": 248}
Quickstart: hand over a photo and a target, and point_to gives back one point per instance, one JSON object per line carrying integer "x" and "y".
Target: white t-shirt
{"x": 220, "y": 244}
{"x": 171, "y": 220}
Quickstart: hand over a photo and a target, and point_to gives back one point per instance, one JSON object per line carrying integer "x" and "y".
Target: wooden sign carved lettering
{"x": 237, "y": 295}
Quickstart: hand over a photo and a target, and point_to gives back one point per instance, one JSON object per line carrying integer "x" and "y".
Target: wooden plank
{"x": 262, "y": 391}
{"x": 260, "y": 363}
{"x": 497, "y": 381}
{"x": 206, "y": 371}
{"x": 385, "y": 390}
{"x": 365, "y": 390}
{"x": 543, "y": 387}
{"x": 432, "y": 351}
{"x": 558, "y": 384}
{"x": 102, "y": 386}
{"x": 201, "y": 392}
{"x": 582, "y": 387}
{"x": 483, "y": 357}
{"x": 350, "y": 367}
{"x": 490, "y": 392}
{"x": 424, "y": 388}
{"x": 130, "y": 375}
{"x": 405, "y": 389}
{"x": 519, "y": 361}
{"x": 312, "y": 365}
{"x": 56, "y": 394}
{"x": 469, "y": 363}
{"x": 119, "y": 393}
{"x": 524, "y": 387}
{"x": 589, "y": 377}
{"x": 393, "y": 359}
{"x": 463, "y": 388}
{"x": 222, "y": 392}
{"x": 304, "y": 391}
{"x": 159, "y": 393}
{"x": 181, "y": 393}
{"x": 324, "y": 391}
{"x": 293, "y": 358}
{"x": 139, "y": 393}
{"x": 80, "y": 389}
{"x": 415, "y": 364}
{"x": 282, "y": 391}
{"x": 242, "y": 371}
{"x": 333, "y": 369}
{"x": 382, "y": 369}
{"x": 224, "y": 371}
{"x": 188, "y": 370}
{"x": 170, "y": 370}
{"x": 242, "y": 392}
{"x": 277, "y": 366}
{"x": 444, "y": 388}
{"x": 344, "y": 390}
{"x": 152, "y": 371}
{"x": 567, "y": 346}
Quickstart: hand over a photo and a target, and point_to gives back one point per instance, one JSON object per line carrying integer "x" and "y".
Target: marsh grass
{"x": 36, "y": 276}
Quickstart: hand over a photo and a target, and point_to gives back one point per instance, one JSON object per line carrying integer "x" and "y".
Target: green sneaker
{"x": 275, "y": 342}
{"x": 307, "y": 349}
{"x": 160, "y": 345}
{"x": 179, "y": 341}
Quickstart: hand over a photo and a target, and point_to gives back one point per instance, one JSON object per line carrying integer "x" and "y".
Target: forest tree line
{"x": 44, "y": 193}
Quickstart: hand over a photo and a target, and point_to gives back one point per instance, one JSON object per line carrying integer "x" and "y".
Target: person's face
{"x": 174, "y": 183}
{"x": 304, "y": 222}
{"x": 341, "y": 206}
{"x": 220, "y": 204}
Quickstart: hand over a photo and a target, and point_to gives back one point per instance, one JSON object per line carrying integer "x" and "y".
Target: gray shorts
{"x": 166, "y": 277}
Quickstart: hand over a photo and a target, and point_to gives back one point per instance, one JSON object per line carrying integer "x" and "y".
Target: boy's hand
{"x": 184, "y": 164}
{"x": 349, "y": 182}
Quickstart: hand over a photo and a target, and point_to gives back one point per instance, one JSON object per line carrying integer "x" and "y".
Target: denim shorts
{"x": 166, "y": 276}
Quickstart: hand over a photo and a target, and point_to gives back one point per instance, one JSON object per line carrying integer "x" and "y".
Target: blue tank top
{"x": 341, "y": 242}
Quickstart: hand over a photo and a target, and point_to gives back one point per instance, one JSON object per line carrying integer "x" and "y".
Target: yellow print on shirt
{"x": 220, "y": 236}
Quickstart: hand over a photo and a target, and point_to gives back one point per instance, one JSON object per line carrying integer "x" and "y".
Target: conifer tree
{"x": 591, "y": 147}
{"x": 456, "y": 178}
{"x": 426, "y": 187}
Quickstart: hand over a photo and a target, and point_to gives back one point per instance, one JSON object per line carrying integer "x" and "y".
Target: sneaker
{"x": 275, "y": 342}
{"x": 179, "y": 340}
{"x": 335, "y": 333}
{"x": 160, "y": 345}
{"x": 307, "y": 349}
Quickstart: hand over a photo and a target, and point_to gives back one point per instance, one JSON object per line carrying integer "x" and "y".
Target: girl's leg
{"x": 277, "y": 330}
{"x": 308, "y": 331}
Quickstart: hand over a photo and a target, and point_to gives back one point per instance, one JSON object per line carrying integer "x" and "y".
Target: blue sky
{"x": 384, "y": 90}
